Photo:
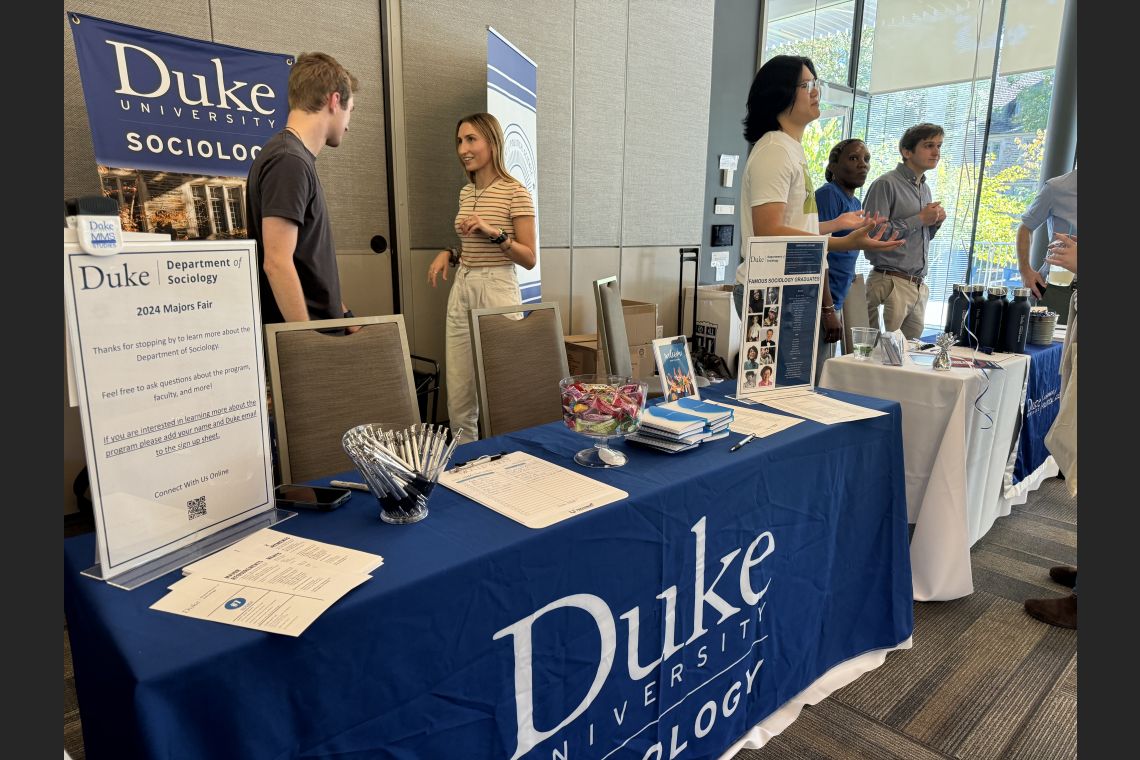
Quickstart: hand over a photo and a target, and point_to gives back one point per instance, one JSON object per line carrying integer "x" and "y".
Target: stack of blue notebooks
{"x": 682, "y": 424}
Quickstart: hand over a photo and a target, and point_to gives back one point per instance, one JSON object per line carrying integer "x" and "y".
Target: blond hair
{"x": 488, "y": 126}
{"x": 314, "y": 77}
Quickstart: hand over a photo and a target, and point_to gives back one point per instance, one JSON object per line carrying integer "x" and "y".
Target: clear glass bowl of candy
{"x": 604, "y": 408}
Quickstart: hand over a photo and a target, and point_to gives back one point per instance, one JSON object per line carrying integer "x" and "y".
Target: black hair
{"x": 916, "y": 134}
{"x": 836, "y": 152}
{"x": 773, "y": 91}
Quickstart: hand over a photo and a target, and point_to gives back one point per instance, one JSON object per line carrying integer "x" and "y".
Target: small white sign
{"x": 721, "y": 208}
{"x": 729, "y": 162}
{"x": 719, "y": 258}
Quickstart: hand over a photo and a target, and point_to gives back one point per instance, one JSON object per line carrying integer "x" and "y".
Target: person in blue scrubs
{"x": 847, "y": 167}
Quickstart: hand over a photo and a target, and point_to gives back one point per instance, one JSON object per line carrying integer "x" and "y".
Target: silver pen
{"x": 349, "y": 484}
{"x": 746, "y": 439}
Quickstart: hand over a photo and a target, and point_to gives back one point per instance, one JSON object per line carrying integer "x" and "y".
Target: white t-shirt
{"x": 776, "y": 172}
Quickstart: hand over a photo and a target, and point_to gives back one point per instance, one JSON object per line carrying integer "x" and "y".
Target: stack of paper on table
{"x": 268, "y": 581}
{"x": 682, "y": 424}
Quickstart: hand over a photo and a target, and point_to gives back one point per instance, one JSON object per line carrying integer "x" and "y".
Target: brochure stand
{"x": 146, "y": 573}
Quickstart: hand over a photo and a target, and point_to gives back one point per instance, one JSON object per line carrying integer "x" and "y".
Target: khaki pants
{"x": 903, "y": 302}
{"x": 474, "y": 288}
{"x": 1061, "y": 440}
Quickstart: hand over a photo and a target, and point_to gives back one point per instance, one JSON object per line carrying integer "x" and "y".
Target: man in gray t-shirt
{"x": 285, "y": 203}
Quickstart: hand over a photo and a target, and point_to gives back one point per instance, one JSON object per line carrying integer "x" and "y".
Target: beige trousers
{"x": 903, "y": 302}
{"x": 1061, "y": 440}
{"x": 474, "y": 288}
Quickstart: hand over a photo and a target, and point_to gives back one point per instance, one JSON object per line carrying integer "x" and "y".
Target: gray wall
{"x": 623, "y": 98}
{"x": 736, "y": 30}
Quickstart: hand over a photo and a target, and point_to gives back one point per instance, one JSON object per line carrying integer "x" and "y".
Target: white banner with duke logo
{"x": 512, "y": 87}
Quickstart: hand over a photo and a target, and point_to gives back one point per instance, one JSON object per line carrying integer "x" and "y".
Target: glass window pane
{"x": 819, "y": 30}
{"x": 234, "y": 202}
{"x": 201, "y": 211}
{"x": 1013, "y": 172}
{"x": 215, "y": 195}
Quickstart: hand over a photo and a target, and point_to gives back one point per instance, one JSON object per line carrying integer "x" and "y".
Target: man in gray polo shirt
{"x": 897, "y": 280}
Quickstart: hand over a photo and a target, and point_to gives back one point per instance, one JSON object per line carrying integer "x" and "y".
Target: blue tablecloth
{"x": 1042, "y": 402}
{"x": 683, "y": 615}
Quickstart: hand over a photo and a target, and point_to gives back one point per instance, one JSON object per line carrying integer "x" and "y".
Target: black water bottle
{"x": 956, "y": 309}
{"x": 993, "y": 310}
{"x": 1015, "y": 328}
{"x": 969, "y": 335}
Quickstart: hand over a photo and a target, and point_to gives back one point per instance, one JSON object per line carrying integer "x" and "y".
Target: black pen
{"x": 743, "y": 441}
{"x": 480, "y": 460}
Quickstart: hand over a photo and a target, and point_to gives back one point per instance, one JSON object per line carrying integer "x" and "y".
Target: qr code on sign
{"x": 196, "y": 508}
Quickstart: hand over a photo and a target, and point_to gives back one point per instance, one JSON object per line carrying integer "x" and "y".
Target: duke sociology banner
{"x": 162, "y": 102}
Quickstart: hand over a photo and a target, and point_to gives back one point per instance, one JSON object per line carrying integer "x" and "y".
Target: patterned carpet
{"x": 983, "y": 681}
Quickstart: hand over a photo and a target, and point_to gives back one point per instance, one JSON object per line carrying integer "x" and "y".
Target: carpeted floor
{"x": 983, "y": 681}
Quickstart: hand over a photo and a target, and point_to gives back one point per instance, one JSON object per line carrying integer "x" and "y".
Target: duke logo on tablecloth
{"x": 704, "y": 594}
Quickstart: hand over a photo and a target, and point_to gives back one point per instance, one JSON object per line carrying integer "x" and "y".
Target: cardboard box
{"x": 582, "y": 354}
{"x": 644, "y": 365}
{"x": 640, "y": 321}
{"x": 718, "y": 324}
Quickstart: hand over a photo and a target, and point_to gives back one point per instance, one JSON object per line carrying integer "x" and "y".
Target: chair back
{"x": 518, "y": 365}
{"x": 324, "y": 384}
{"x": 854, "y": 310}
{"x": 612, "y": 337}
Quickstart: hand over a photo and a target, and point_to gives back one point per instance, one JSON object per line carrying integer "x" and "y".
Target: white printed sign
{"x": 166, "y": 347}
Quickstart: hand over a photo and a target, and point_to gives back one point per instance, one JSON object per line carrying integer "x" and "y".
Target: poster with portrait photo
{"x": 789, "y": 272}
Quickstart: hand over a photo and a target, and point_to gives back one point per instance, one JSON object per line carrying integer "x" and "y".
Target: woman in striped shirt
{"x": 496, "y": 229}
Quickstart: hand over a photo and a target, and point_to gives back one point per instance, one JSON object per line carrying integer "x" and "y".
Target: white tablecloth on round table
{"x": 955, "y": 449}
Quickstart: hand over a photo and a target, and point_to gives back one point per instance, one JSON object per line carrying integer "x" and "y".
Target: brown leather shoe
{"x": 1060, "y": 612}
{"x": 1066, "y": 575}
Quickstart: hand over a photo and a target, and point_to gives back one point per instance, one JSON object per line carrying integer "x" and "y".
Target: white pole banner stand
{"x": 165, "y": 344}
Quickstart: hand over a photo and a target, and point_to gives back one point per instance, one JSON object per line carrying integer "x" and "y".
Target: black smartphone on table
{"x": 321, "y": 498}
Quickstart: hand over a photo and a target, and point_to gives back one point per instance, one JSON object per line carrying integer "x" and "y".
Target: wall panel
{"x": 667, "y": 100}
{"x": 445, "y": 78}
{"x": 599, "y": 121}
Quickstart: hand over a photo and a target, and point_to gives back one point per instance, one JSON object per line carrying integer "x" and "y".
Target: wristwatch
{"x": 500, "y": 238}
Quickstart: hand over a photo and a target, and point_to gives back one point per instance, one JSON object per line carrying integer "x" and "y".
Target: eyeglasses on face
{"x": 810, "y": 85}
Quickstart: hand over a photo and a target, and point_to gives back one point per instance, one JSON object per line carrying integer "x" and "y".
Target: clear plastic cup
{"x": 863, "y": 340}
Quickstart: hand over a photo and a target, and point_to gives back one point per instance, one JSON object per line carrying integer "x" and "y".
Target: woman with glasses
{"x": 776, "y": 193}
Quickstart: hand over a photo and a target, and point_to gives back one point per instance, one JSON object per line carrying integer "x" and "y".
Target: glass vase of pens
{"x": 401, "y": 466}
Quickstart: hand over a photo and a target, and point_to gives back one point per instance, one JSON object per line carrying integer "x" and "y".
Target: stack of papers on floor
{"x": 682, "y": 424}
{"x": 269, "y": 581}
